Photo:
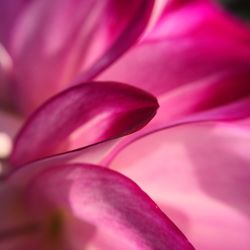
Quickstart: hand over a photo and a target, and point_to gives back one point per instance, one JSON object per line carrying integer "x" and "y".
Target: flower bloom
{"x": 190, "y": 162}
{"x": 58, "y": 204}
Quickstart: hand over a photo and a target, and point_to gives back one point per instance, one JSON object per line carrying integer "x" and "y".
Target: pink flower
{"x": 53, "y": 204}
{"x": 192, "y": 159}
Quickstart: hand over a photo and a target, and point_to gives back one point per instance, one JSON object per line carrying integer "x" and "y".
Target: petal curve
{"x": 82, "y": 115}
{"x": 104, "y": 210}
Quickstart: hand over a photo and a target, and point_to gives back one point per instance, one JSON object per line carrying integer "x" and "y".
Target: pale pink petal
{"x": 199, "y": 175}
{"x": 82, "y": 115}
{"x": 51, "y": 43}
{"x": 98, "y": 209}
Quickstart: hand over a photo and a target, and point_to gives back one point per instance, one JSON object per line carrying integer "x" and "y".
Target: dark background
{"x": 240, "y": 8}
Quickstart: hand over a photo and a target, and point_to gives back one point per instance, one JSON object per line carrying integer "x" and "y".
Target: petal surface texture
{"x": 99, "y": 208}
{"x": 51, "y": 43}
{"x": 199, "y": 176}
{"x": 83, "y": 115}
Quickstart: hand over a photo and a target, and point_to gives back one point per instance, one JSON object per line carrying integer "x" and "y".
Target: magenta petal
{"x": 224, "y": 98}
{"x": 100, "y": 209}
{"x": 199, "y": 175}
{"x": 127, "y": 38}
{"x": 52, "y": 43}
{"x": 83, "y": 115}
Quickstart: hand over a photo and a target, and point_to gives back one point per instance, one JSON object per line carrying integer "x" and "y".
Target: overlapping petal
{"x": 191, "y": 65}
{"x": 51, "y": 43}
{"x": 83, "y": 115}
{"x": 99, "y": 209}
{"x": 199, "y": 175}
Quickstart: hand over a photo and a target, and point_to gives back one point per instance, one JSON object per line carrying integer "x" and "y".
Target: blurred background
{"x": 240, "y": 8}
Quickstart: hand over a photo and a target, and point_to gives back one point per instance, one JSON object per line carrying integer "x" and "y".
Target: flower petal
{"x": 51, "y": 43}
{"x": 210, "y": 54}
{"x": 100, "y": 209}
{"x": 199, "y": 175}
{"x": 85, "y": 114}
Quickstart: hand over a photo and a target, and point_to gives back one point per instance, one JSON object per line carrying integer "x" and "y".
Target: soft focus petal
{"x": 198, "y": 64}
{"x": 199, "y": 175}
{"x": 83, "y": 115}
{"x": 53, "y": 42}
{"x": 17, "y": 230}
{"x": 99, "y": 209}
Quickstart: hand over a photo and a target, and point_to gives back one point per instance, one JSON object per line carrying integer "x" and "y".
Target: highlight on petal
{"x": 97, "y": 208}
{"x": 83, "y": 115}
{"x": 198, "y": 174}
{"x": 52, "y": 43}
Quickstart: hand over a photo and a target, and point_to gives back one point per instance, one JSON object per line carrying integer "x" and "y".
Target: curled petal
{"x": 85, "y": 114}
{"x": 199, "y": 175}
{"x": 99, "y": 209}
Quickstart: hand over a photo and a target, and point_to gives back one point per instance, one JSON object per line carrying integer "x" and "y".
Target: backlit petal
{"x": 85, "y": 114}
{"x": 199, "y": 175}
